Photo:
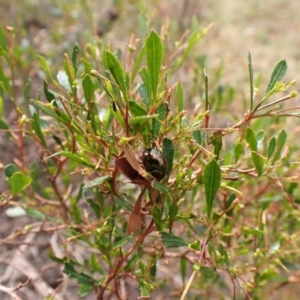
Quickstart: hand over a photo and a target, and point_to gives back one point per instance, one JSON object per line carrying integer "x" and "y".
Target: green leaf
{"x": 212, "y": 181}
{"x": 94, "y": 206}
{"x": 154, "y": 50}
{"x": 81, "y": 278}
{"x": 160, "y": 187}
{"x": 207, "y": 272}
{"x": 85, "y": 289}
{"x": 137, "y": 61}
{"x": 196, "y": 134}
{"x": 49, "y": 96}
{"x": 37, "y": 129}
{"x": 238, "y": 151}
{"x": 143, "y": 93}
{"x": 279, "y": 145}
{"x": 3, "y": 125}
{"x": 272, "y": 146}
{"x": 113, "y": 65}
{"x": 5, "y": 82}
{"x": 183, "y": 268}
{"x": 2, "y": 39}
{"x": 96, "y": 182}
{"x": 34, "y": 213}
{"x": 44, "y": 65}
{"x": 136, "y": 109}
{"x": 172, "y": 241}
{"x": 157, "y": 214}
{"x": 173, "y": 211}
{"x": 251, "y": 139}
{"x": 140, "y": 121}
{"x": 89, "y": 88}
{"x": 258, "y": 161}
{"x": 156, "y": 124}
{"x": 168, "y": 152}
{"x": 145, "y": 74}
{"x": 251, "y": 80}
{"x": 179, "y": 91}
{"x": 145, "y": 289}
{"x": 277, "y": 74}
{"x": 75, "y": 57}
{"x": 216, "y": 140}
{"x": 18, "y": 182}
{"x": 121, "y": 242}
{"x": 73, "y": 157}
{"x": 1, "y": 107}
{"x": 10, "y": 169}
{"x": 47, "y": 109}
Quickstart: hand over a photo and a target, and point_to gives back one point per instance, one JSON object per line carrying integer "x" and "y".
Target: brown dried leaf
{"x": 125, "y": 168}
{"x": 133, "y": 161}
{"x": 135, "y": 219}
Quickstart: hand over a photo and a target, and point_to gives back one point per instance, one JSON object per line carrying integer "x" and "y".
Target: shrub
{"x": 139, "y": 182}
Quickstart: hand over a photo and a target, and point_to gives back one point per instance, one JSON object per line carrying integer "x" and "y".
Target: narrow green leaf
{"x": 96, "y": 182}
{"x": 160, "y": 187}
{"x": 136, "y": 109}
{"x": 81, "y": 278}
{"x": 277, "y": 74}
{"x": 156, "y": 213}
{"x": 4, "y": 82}
{"x": 156, "y": 123}
{"x": 3, "y": 125}
{"x": 85, "y": 289}
{"x": 89, "y": 88}
{"x": 10, "y": 169}
{"x": 145, "y": 292}
{"x": 121, "y": 242}
{"x": 34, "y": 213}
{"x": 75, "y": 57}
{"x": 251, "y": 80}
{"x": 173, "y": 211}
{"x": 168, "y": 151}
{"x": 49, "y": 96}
{"x": 196, "y": 134}
{"x": 251, "y": 139}
{"x": 1, "y": 107}
{"x": 73, "y": 157}
{"x": 113, "y": 65}
{"x": 145, "y": 74}
{"x": 272, "y": 146}
{"x": 143, "y": 93}
{"x": 140, "y": 121}
{"x": 279, "y": 145}
{"x": 154, "y": 50}
{"x": 183, "y": 268}
{"x": 238, "y": 151}
{"x": 258, "y": 161}
{"x": 2, "y": 39}
{"x": 94, "y": 206}
{"x": 173, "y": 241}
{"x": 18, "y": 182}
{"x": 37, "y": 129}
{"x": 179, "y": 91}
{"x": 50, "y": 111}
{"x": 208, "y": 272}
{"x": 212, "y": 181}
{"x": 44, "y": 65}
{"x": 216, "y": 140}
{"x": 137, "y": 61}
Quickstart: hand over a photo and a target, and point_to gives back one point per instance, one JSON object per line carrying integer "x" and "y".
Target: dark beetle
{"x": 155, "y": 163}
